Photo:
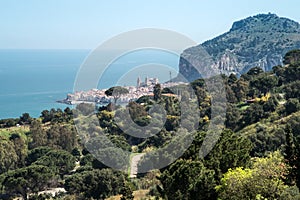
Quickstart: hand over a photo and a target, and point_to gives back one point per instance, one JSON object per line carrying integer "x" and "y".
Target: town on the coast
{"x": 134, "y": 92}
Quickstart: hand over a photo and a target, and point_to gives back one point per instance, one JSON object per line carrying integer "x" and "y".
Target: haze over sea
{"x": 32, "y": 80}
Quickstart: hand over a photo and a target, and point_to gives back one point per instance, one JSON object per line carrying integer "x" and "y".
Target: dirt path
{"x": 133, "y": 165}
{"x": 53, "y": 191}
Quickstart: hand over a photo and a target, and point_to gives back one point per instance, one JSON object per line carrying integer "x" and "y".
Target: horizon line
{"x": 46, "y": 49}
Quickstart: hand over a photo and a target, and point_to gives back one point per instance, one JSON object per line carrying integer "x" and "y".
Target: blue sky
{"x": 74, "y": 24}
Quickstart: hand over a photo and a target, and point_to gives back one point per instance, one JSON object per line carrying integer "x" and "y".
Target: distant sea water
{"x": 32, "y": 80}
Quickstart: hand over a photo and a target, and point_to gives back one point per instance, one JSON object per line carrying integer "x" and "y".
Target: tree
{"x": 229, "y": 152}
{"x": 264, "y": 83}
{"x": 253, "y": 114}
{"x": 8, "y": 156}
{"x": 271, "y": 104}
{"x": 264, "y": 180}
{"x": 6, "y": 123}
{"x": 292, "y": 57}
{"x": 234, "y": 184}
{"x": 157, "y": 92}
{"x": 291, "y": 106}
{"x": 87, "y": 160}
{"x": 126, "y": 191}
{"x": 136, "y": 110}
{"x": 232, "y": 117}
{"x": 292, "y": 149}
{"x": 116, "y": 92}
{"x": 230, "y": 95}
{"x": 27, "y": 180}
{"x": 98, "y": 184}
{"x": 68, "y": 114}
{"x": 62, "y": 161}
{"x": 292, "y": 90}
{"x": 53, "y": 135}
{"x": 45, "y": 115}
{"x": 67, "y": 139}
{"x": 61, "y": 136}
{"x": 25, "y": 118}
{"x": 186, "y": 179}
{"x": 20, "y": 147}
{"x": 255, "y": 71}
{"x": 232, "y": 79}
{"x": 36, "y": 153}
{"x": 291, "y": 155}
{"x": 57, "y": 116}
{"x": 240, "y": 88}
{"x": 37, "y": 133}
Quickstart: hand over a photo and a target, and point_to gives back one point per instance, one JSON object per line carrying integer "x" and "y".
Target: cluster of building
{"x": 98, "y": 95}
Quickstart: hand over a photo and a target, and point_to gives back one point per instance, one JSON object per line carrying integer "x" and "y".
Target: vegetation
{"x": 116, "y": 92}
{"x": 257, "y": 155}
{"x": 260, "y": 40}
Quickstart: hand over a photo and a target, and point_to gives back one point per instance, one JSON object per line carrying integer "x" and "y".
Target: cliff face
{"x": 261, "y": 40}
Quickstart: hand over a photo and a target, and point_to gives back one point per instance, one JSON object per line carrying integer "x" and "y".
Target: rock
{"x": 261, "y": 40}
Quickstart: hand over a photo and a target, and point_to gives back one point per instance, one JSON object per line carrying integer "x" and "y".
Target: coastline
{"x": 98, "y": 96}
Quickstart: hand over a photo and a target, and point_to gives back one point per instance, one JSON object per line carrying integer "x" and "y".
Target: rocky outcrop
{"x": 261, "y": 40}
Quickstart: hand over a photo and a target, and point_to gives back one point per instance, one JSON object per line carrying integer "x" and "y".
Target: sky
{"x": 78, "y": 24}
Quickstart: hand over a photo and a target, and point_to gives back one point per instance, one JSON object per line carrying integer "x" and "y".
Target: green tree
{"x": 186, "y": 179}
{"x": 230, "y": 95}
{"x": 229, "y": 152}
{"x": 68, "y": 114}
{"x": 25, "y": 118}
{"x": 36, "y": 153}
{"x": 97, "y": 184}
{"x": 8, "y": 155}
{"x": 232, "y": 79}
{"x": 61, "y": 137}
{"x": 291, "y": 73}
{"x": 53, "y": 135}
{"x": 264, "y": 83}
{"x": 252, "y": 115}
{"x": 116, "y": 92}
{"x": 264, "y": 180}
{"x": 136, "y": 110}
{"x": 38, "y": 134}
{"x": 241, "y": 89}
{"x": 291, "y": 155}
{"x": 20, "y": 147}
{"x": 232, "y": 117}
{"x": 271, "y": 104}
{"x": 292, "y": 57}
{"x": 291, "y": 106}
{"x": 292, "y": 90}
{"x": 292, "y": 149}
{"x": 255, "y": 71}
{"x": 157, "y": 92}
{"x": 45, "y": 115}
{"x": 126, "y": 191}
{"x": 62, "y": 161}
{"x": 27, "y": 180}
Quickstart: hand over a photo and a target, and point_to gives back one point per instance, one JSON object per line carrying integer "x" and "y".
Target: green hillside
{"x": 257, "y": 155}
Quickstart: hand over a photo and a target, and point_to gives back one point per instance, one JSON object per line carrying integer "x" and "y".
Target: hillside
{"x": 261, "y": 40}
{"x": 117, "y": 152}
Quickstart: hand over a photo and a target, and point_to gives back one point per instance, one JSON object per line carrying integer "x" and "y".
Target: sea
{"x": 33, "y": 80}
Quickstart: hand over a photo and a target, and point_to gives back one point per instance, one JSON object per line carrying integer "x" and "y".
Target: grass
{"x": 244, "y": 107}
{"x": 268, "y": 124}
{"x": 7, "y": 132}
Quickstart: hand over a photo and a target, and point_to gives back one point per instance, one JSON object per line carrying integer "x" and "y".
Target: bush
{"x": 291, "y": 106}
